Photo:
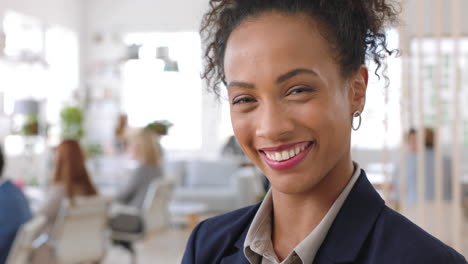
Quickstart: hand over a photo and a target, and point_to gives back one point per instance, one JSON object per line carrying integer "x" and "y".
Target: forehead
{"x": 277, "y": 42}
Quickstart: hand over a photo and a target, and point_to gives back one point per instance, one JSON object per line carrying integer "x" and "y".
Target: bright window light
{"x": 61, "y": 54}
{"x": 41, "y": 63}
{"x": 24, "y": 35}
{"x": 149, "y": 93}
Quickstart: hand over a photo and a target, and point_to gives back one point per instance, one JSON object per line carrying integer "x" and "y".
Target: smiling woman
{"x": 292, "y": 96}
{"x": 296, "y": 78}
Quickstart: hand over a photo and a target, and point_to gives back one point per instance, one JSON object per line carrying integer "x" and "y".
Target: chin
{"x": 294, "y": 183}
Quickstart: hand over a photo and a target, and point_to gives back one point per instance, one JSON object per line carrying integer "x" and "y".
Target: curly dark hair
{"x": 354, "y": 28}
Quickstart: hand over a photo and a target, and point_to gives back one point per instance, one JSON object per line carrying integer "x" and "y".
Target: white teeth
{"x": 285, "y": 154}
{"x": 270, "y": 156}
{"x": 297, "y": 150}
{"x": 278, "y": 156}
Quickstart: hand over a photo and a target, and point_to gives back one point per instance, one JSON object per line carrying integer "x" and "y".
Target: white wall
{"x": 62, "y": 12}
{"x": 116, "y": 17}
{"x": 144, "y": 15}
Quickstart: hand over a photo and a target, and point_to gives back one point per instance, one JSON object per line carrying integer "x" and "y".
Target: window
{"x": 24, "y": 36}
{"x": 40, "y": 62}
{"x": 62, "y": 58}
{"x": 429, "y": 52}
{"x": 149, "y": 93}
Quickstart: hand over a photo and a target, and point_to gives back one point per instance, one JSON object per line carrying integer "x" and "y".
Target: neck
{"x": 295, "y": 216}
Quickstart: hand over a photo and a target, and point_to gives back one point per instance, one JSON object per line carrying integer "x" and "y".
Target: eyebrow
{"x": 293, "y": 73}
{"x": 241, "y": 84}
{"x": 280, "y": 79}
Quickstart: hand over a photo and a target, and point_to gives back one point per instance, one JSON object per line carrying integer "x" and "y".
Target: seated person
{"x": 429, "y": 169}
{"x": 232, "y": 148}
{"x": 14, "y": 211}
{"x": 142, "y": 148}
{"x": 120, "y": 140}
{"x": 70, "y": 180}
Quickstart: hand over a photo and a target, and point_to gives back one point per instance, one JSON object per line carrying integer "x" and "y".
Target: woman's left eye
{"x": 300, "y": 90}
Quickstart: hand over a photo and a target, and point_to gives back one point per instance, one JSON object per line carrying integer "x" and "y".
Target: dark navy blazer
{"x": 364, "y": 231}
{"x": 14, "y": 211}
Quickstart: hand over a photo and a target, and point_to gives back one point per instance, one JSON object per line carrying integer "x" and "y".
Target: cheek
{"x": 338, "y": 128}
{"x": 243, "y": 130}
{"x": 328, "y": 119}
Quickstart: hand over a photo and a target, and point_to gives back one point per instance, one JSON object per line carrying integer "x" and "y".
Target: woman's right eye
{"x": 242, "y": 100}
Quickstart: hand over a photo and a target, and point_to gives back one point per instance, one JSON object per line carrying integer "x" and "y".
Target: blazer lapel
{"x": 352, "y": 225}
{"x": 237, "y": 256}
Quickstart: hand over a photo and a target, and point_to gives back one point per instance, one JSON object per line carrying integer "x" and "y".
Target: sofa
{"x": 221, "y": 185}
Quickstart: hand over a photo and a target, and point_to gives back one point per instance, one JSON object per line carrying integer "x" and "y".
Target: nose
{"x": 274, "y": 122}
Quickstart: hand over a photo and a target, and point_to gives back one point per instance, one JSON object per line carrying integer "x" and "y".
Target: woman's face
{"x": 291, "y": 110}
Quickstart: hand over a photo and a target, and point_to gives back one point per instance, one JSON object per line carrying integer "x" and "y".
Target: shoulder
{"x": 214, "y": 236}
{"x": 147, "y": 173}
{"x": 9, "y": 192}
{"x": 6, "y": 187}
{"x": 13, "y": 201}
{"x": 395, "y": 235}
{"x": 147, "y": 170}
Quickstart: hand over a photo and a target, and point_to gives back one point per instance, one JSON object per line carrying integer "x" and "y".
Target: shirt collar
{"x": 258, "y": 239}
{"x": 308, "y": 248}
{"x": 260, "y": 230}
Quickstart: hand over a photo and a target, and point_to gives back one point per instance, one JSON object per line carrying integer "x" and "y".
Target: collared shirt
{"x": 258, "y": 247}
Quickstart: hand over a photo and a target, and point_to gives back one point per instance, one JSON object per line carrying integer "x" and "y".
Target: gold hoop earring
{"x": 356, "y": 114}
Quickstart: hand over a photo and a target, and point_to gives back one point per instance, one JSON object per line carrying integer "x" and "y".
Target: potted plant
{"x": 159, "y": 127}
{"x": 30, "y": 126}
{"x": 71, "y": 121}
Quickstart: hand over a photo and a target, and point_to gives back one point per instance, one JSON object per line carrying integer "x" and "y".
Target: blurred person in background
{"x": 429, "y": 168}
{"x": 120, "y": 139}
{"x": 231, "y": 149}
{"x": 70, "y": 179}
{"x": 14, "y": 211}
{"x": 142, "y": 148}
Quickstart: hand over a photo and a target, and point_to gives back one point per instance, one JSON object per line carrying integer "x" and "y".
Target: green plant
{"x": 71, "y": 123}
{"x": 30, "y": 126}
{"x": 159, "y": 127}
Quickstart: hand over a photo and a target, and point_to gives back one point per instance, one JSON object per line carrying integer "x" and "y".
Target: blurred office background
{"x": 87, "y": 62}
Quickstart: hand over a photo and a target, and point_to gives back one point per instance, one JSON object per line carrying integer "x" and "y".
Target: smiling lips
{"x": 286, "y": 156}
